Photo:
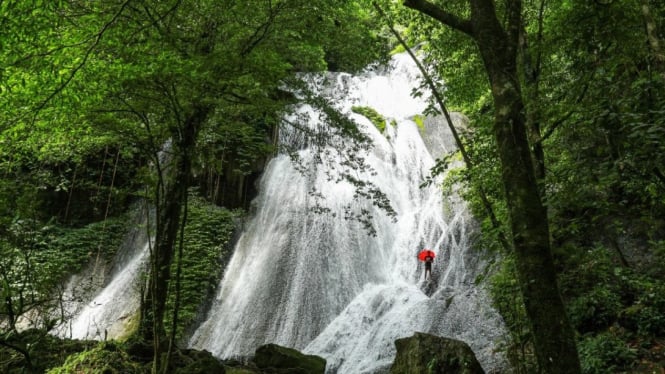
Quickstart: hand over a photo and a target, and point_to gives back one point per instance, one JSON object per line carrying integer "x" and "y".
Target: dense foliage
{"x": 103, "y": 358}
{"x": 206, "y": 250}
{"x": 107, "y": 101}
{"x": 36, "y": 257}
{"x": 98, "y": 96}
{"x": 35, "y": 351}
{"x": 593, "y": 87}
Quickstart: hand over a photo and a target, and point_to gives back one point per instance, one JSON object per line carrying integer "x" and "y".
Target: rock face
{"x": 425, "y": 353}
{"x": 272, "y": 358}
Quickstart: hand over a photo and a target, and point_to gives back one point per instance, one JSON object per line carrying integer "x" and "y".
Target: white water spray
{"x": 98, "y": 309}
{"x": 319, "y": 283}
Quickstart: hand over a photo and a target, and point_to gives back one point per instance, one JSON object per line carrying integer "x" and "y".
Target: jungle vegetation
{"x": 177, "y": 105}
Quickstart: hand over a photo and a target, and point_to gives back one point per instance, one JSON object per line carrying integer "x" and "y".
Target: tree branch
{"x": 25, "y": 353}
{"x": 262, "y": 31}
{"x": 71, "y": 76}
{"x": 564, "y": 118}
{"x": 439, "y": 100}
{"x": 514, "y": 16}
{"x": 440, "y": 15}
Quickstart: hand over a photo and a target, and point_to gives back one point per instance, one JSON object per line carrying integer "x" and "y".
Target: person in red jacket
{"x": 428, "y": 267}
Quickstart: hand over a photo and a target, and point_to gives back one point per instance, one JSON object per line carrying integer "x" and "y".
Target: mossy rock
{"x": 425, "y": 353}
{"x": 191, "y": 361}
{"x": 370, "y": 113}
{"x": 241, "y": 370}
{"x": 272, "y": 358}
{"x": 233, "y": 366}
{"x": 106, "y": 358}
{"x": 420, "y": 122}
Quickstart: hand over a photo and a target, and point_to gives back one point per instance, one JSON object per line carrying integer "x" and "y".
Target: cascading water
{"x": 100, "y": 303}
{"x": 320, "y": 283}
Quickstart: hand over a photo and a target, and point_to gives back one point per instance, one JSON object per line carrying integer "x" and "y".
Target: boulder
{"x": 190, "y": 361}
{"x": 426, "y": 353}
{"x": 272, "y": 358}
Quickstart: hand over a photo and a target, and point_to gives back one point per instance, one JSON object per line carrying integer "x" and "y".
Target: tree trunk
{"x": 531, "y": 66}
{"x": 651, "y": 29}
{"x": 553, "y": 336}
{"x": 177, "y": 182}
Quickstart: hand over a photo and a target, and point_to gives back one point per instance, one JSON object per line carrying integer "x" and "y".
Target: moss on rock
{"x": 277, "y": 359}
{"x": 420, "y": 122}
{"x": 241, "y": 370}
{"x": 378, "y": 120}
{"x": 106, "y": 357}
{"x": 425, "y": 353}
{"x": 191, "y": 361}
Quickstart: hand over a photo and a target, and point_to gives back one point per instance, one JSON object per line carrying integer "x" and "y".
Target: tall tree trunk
{"x": 531, "y": 68}
{"x": 175, "y": 192}
{"x": 651, "y": 29}
{"x": 553, "y": 335}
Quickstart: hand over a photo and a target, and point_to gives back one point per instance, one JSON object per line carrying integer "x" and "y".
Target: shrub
{"x": 647, "y": 315}
{"x": 507, "y": 299}
{"x": 106, "y": 357}
{"x": 378, "y": 120}
{"x": 208, "y": 234}
{"x": 36, "y": 257}
{"x": 605, "y": 353}
{"x": 594, "y": 310}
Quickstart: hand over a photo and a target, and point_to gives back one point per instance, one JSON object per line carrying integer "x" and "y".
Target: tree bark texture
{"x": 553, "y": 335}
{"x": 531, "y": 66}
{"x": 177, "y": 182}
{"x": 651, "y": 29}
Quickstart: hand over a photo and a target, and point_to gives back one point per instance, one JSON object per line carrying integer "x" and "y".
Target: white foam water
{"x": 103, "y": 300}
{"x": 318, "y": 282}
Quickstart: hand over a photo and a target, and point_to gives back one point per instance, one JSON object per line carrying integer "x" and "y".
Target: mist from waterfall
{"x": 319, "y": 282}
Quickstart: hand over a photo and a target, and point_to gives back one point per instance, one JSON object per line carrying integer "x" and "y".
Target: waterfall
{"x": 314, "y": 280}
{"x": 103, "y": 300}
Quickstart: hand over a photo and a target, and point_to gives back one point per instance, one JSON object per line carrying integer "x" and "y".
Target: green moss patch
{"x": 106, "y": 358}
{"x": 420, "y": 121}
{"x": 378, "y": 120}
{"x": 207, "y": 240}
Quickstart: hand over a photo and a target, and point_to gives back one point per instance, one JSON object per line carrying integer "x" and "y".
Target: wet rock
{"x": 425, "y": 353}
{"x": 272, "y": 358}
